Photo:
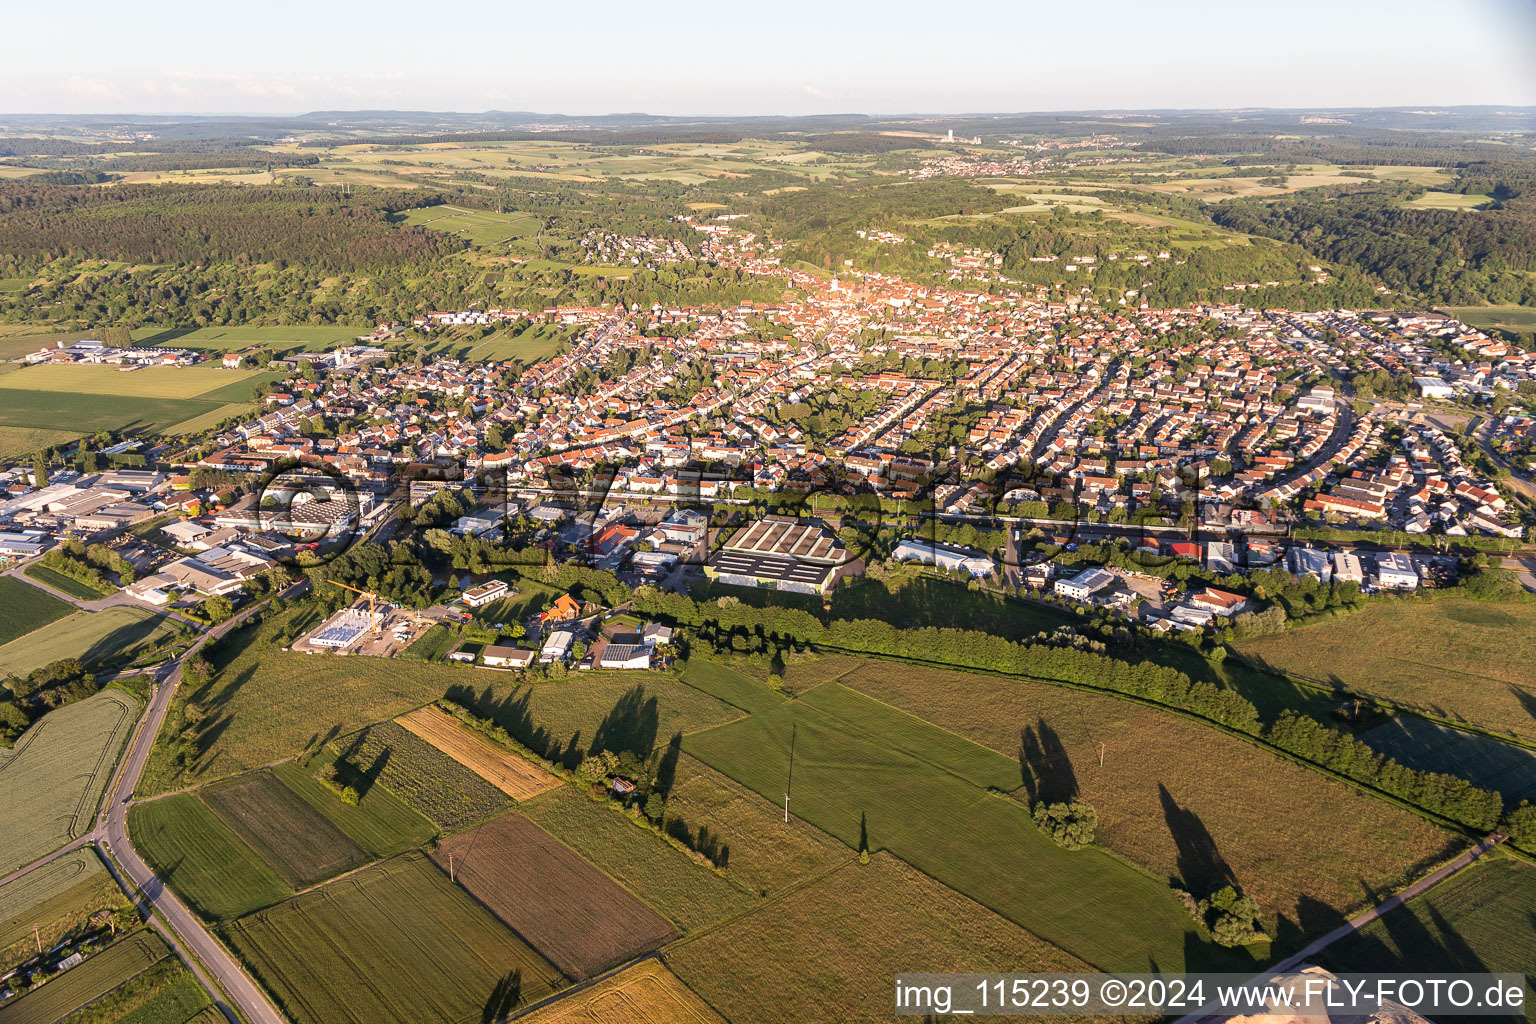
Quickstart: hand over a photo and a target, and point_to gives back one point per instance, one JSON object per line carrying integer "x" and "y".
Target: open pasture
{"x": 396, "y": 943}
{"x": 54, "y": 776}
{"x": 731, "y": 686}
{"x": 290, "y": 835}
{"x": 646, "y": 993}
{"x": 436, "y": 785}
{"x": 1482, "y": 760}
{"x": 1483, "y": 919}
{"x": 212, "y": 869}
{"x": 112, "y": 635}
{"x": 481, "y": 228}
{"x": 828, "y": 951}
{"x": 1309, "y": 849}
{"x": 84, "y": 984}
{"x": 567, "y": 909}
{"x": 1448, "y": 201}
{"x": 688, "y": 894}
{"x": 79, "y": 413}
{"x": 877, "y": 779}
{"x": 24, "y": 608}
{"x": 1459, "y": 659}
{"x": 536, "y": 344}
{"x": 513, "y": 775}
{"x": 1508, "y": 318}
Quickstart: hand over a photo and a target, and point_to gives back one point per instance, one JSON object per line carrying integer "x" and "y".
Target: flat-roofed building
{"x": 485, "y": 593}
{"x": 1396, "y": 572}
{"x": 780, "y": 553}
{"x": 1085, "y": 584}
{"x": 944, "y": 556}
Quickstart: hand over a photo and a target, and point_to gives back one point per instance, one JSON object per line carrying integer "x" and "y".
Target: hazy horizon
{"x": 800, "y": 59}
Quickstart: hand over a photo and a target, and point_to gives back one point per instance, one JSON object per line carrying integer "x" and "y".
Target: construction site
{"x": 369, "y": 626}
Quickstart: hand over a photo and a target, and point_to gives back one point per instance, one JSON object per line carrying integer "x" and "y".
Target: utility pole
{"x": 1101, "y": 755}
{"x": 793, "y": 729}
{"x": 37, "y": 939}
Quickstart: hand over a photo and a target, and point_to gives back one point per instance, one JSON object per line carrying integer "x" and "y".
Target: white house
{"x": 1396, "y": 572}
{"x": 624, "y": 656}
{"x": 943, "y": 556}
{"x": 1347, "y": 567}
{"x": 485, "y": 593}
{"x": 1084, "y": 584}
{"x": 556, "y": 646}
{"x": 506, "y": 656}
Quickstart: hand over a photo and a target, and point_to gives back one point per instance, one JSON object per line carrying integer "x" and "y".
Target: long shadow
{"x": 1526, "y": 698}
{"x": 630, "y": 726}
{"x": 666, "y": 769}
{"x": 512, "y": 714}
{"x": 504, "y": 997}
{"x": 1045, "y": 767}
{"x": 1200, "y": 864}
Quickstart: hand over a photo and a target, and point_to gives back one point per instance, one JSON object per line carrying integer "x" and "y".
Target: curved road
{"x": 185, "y": 930}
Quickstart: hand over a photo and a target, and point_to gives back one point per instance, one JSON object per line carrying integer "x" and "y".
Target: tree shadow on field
{"x": 631, "y": 725}
{"x": 1045, "y": 766}
{"x": 1412, "y": 944}
{"x": 1526, "y": 698}
{"x": 512, "y": 714}
{"x": 666, "y": 769}
{"x": 1200, "y": 866}
{"x": 1314, "y": 918}
{"x": 504, "y": 997}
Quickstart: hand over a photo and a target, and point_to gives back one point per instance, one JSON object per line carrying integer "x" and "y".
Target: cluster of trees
{"x": 1232, "y": 918}
{"x": 88, "y": 564}
{"x": 1070, "y": 825}
{"x": 24, "y": 698}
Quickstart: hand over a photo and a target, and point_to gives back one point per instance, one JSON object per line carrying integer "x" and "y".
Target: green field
{"x": 397, "y": 942}
{"x": 79, "y": 412}
{"x": 1463, "y": 660}
{"x": 54, "y": 776}
{"x": 870, "y": 775}
{"x": 57, "y": 899}
{"x": 380, "y": 822}
{"x": 16, "y": 441}
{"x": 537, "y": 343}
{"x": 196, "y": 854}
{"x": 1310, "y": 850}
{"x": 299, "y": 843}
{"x": 76, "y": 589}
{"x": 113, "y": 635}
{"x": 24, "y": 608}
{"x": 204, "y": 381}
{"x": 1483, "y": 919}
{"x": 1483, "y": 760}
{"x": 729, "y": 685}
{"x": 167, "y": 993}
{"x": 482, "y": 228}
{"x": 152, "y": 400}
{"x": 828, "y": 951}
{"x": 1448, "y": 201}
{"x": 1520, "y": 319}
{"x": 87, "y": 982}
{"x": 686, "y": 893}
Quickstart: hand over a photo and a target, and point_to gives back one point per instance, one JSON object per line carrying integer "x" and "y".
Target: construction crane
{"x": 378, "y": 620}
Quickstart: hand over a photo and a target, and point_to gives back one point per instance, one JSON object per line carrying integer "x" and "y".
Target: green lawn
{"x": 64, "y": 584}
{"x": 197, "y": 855}
{"x": 24, "y": 608}
{"x": 876, "y": 778}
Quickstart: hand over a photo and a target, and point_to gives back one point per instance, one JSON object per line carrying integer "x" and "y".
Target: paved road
{"x": 183, "y": 930}
{"x": 1358, "y": 922}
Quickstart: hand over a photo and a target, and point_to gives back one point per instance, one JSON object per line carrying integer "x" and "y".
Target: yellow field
{"x": 646, "y": 993}
{"x": 503, "y": 769}
{"x": 149, "y": 382}
{"x": 18, "y": 441}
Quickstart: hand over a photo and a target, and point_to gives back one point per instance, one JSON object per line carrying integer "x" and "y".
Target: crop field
{"x": 115, "y": 634}
{"x": 266, "y": 704}
{"x": 171, "y": 382}
{"x": 764, "y": 853}
{"x": 879, "y": 779}
{"x": 167, "y": 993}
{"x": 16, "y": 441}
{"x": 1309, "y": 849}
{"x": 79, "y": 413}
{"x": 196, "y": 854}
{"x": 57, "y": 899}
{"x": 54, "y": 776}
{"x": 299, "y": 337}
{"x": 567, "y": 909}
{"x": 646, "y": 993}
{"x": 397, "y": 942}
{"x": 731, "y": 686}
{"x": 828, "y": 951}
{"x": 1509, "y": 318}
{"x": 436, "y": 785}
{"x": 87, "y": 982}
{"x": 290, "y": 835}
{"x": 1463, "y": 660}
{"x": 688, "y": 894}
{"x": 1483, "y": 919}
{"x": 379, "y": 822}
{"x": 24, "y": 608}
{"x": 1483, "y": 760}
{"x": 513, "y": 775}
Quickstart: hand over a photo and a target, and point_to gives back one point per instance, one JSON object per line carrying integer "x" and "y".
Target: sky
{"x": 790, "y": 57}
